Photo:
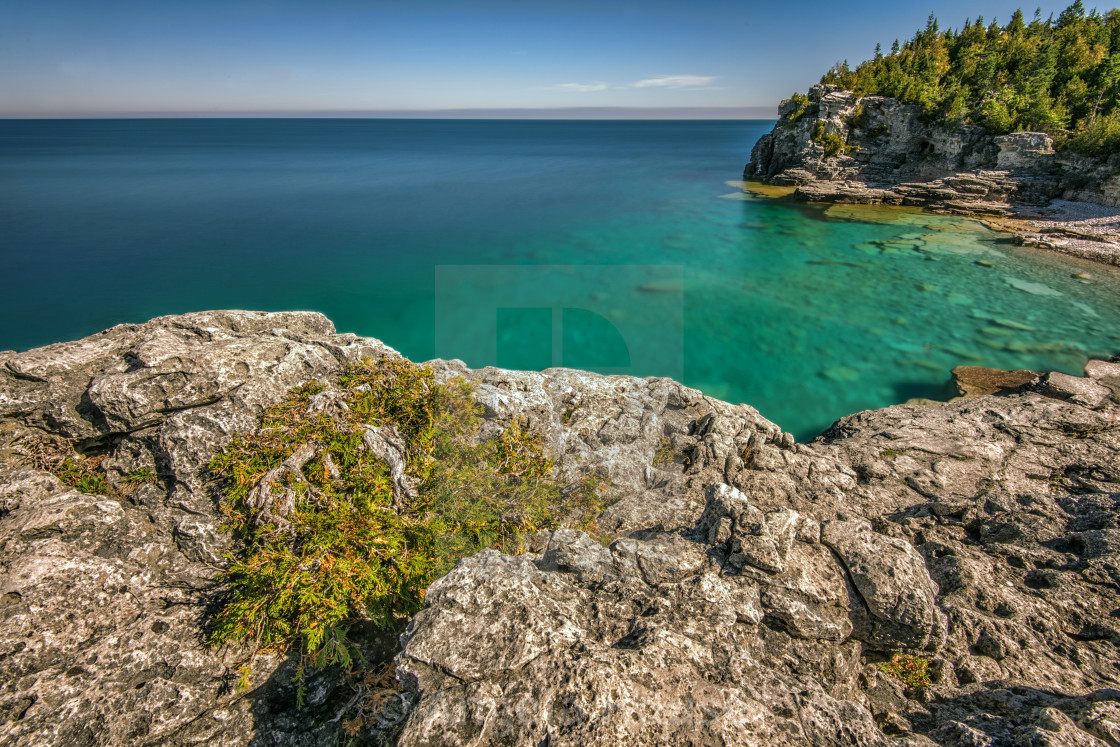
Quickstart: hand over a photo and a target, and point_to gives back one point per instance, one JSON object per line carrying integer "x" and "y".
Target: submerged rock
{"x": 976, "y": 381}
{"x": 742, "y": 589}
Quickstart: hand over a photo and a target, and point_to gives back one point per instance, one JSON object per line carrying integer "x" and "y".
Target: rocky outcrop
{"x": 743, "y": 589}
{"x": 102, "y": 600}
{"x": 892, "y": 154}
{"x": 958, "y": 532}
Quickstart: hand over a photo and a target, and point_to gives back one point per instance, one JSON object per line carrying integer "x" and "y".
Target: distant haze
{"x": 590, "y": 112}
{"x": 563, "y": 59}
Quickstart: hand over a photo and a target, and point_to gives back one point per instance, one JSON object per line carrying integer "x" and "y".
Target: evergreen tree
{"x": 1061, "y": 77}
{"x": 1071, "y": 15}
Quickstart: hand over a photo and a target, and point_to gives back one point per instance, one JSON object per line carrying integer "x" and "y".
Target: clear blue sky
{"x": 105, "y": 57}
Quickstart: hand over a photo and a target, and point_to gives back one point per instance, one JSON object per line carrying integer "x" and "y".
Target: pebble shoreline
{"x": 1079, "y": 229}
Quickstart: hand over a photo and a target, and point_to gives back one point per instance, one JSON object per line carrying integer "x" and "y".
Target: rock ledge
{"x": 745, "y": 589}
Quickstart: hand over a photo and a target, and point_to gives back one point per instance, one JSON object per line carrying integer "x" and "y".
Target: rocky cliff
{"x": 934, "y": 574}
{"x": 890, "y": 153}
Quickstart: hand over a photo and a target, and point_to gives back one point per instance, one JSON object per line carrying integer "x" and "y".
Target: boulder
{"x": 1075, "y": 389}
{"x": 896, "y": 604}
{"x": 976, "y": 381}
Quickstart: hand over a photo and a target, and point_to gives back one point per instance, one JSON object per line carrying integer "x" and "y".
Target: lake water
{"x": 617, "y": 246}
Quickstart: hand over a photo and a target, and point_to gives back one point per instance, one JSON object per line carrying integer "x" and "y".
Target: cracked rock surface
{"x": 980, "y": 535}
{"x": 744, "y": 588}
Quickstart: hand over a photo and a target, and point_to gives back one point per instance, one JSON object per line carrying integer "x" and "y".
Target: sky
{"x": 580, "y": 58}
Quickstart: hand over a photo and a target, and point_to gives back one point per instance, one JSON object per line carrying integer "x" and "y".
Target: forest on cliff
{"x": 1060, "y": 76}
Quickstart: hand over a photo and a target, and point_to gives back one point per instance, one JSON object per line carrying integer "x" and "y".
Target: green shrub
{"x": 831, "y": 141}
{"x": 1100, "y": 138}
{"x": 141, "y": 476}
{"x": 995, "y": 116}
{"x": 330, "y": 535}
{"x": 84, "y": 474}
{"x": 566, "y": 417}
{"x": 860, "y": 117}
{"x": 833, "y": 144}
{"x": 801, "y": 107}
{"x": 55, "y": 454}
{"x": 912, "y": 671}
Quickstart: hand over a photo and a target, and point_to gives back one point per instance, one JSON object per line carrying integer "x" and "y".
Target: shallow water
{"x": 618, "y": 246}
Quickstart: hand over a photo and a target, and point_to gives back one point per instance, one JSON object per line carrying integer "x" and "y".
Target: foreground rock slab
{"x": 102, "y": 600}
{"x": 742, "y": 588}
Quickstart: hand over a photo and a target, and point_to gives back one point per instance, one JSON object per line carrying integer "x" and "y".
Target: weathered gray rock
{"x": 1023, "y": 150}
{"x": 553, "y": 660}
{"x": 912, "y": 560}
{"x": 571, "y": 551}
{"x": 1078, "y": 390}
{"x": 742, "y": 588}
{"x": 892, "y": 582}
{"x": 100, "y": 624}
{"x": 893, "y": 155}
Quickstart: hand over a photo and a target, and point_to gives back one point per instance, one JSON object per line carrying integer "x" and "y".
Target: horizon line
{"x": 582, "y": 112}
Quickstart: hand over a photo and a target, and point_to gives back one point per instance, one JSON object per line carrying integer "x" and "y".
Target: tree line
{"x": 1060, "y": 76}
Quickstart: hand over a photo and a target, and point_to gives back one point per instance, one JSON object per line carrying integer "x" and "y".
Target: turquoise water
{"x": 617, "y": 246}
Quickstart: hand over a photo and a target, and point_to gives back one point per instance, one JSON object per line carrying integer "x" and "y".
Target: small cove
{"x": 403, "y": 229}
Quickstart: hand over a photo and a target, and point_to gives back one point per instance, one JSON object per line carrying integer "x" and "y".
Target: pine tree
{"x": 1016, "y": 27}
{"x": 1059, "y": 77}
{"x": 1071, "y": 15}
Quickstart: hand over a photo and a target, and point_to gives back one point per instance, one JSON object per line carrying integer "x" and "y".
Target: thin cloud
{"x": 583, "y": 87}
{"x": 675, "y": 81}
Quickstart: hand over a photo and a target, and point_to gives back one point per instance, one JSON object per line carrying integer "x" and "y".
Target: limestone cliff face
{"x": 748, "y": 587}
{"x": 894, "y": 155}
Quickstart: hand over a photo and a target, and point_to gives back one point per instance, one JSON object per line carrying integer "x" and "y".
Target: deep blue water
{"x": 617, "y": 246}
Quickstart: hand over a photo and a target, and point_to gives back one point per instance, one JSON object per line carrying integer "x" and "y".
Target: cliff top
{"x": 920, "y": 574}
